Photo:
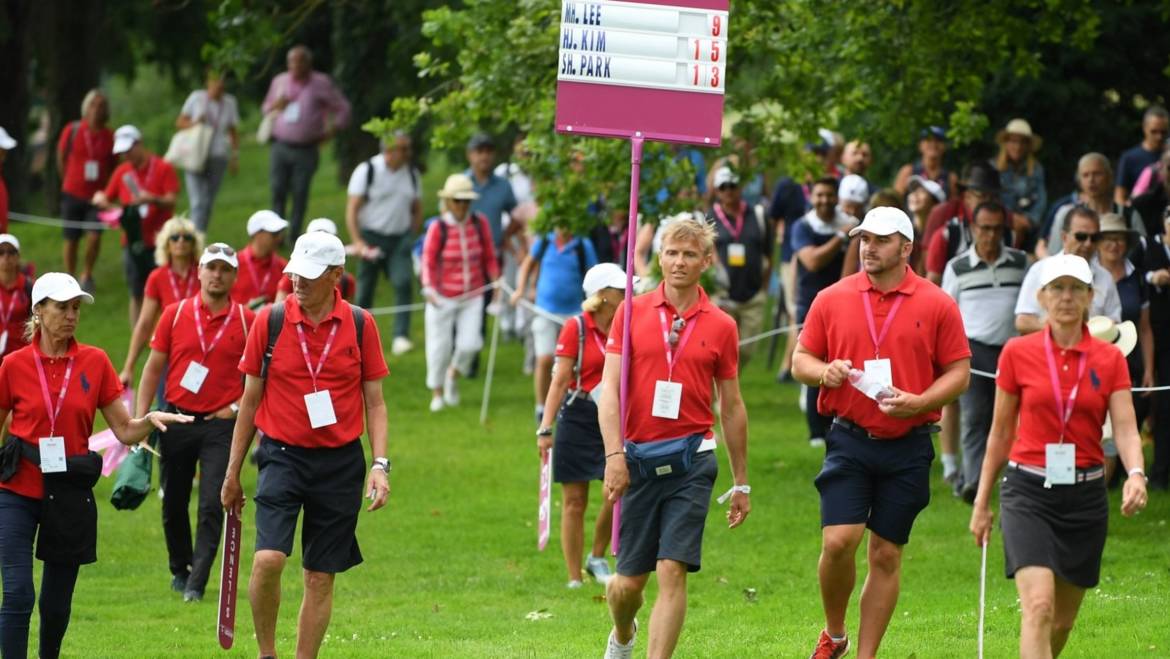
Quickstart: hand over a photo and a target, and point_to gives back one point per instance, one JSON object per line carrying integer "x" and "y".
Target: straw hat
{"x": 458, "y": 186}
{"x": 1019, "y": 127}
{"x": 1123, "y": 335}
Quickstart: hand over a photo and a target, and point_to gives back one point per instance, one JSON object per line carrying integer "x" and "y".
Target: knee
{"x": 622, "y": 589}
{"x": 886, "y": 558}
{"x": 19, "y": 596}
{"x": 268, "y": 564}
{"x": 672, "y": 575}
{"x": 836, "y": 546}
{"x": 318, "y": 584}
{"x": 1038, "y": 609}
{"x": 575, "y": 504}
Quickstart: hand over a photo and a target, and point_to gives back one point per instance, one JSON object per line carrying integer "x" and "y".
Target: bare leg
{"x": 93, "y": 246}
{"x": 575, "y": 497}
{"x": 670, "y": 610}
{"x": 316, "y": 608}
{"x": 1037, "y": 589}
{"x": 542, "y": 377}
{"x": 69, "y": 256}
{"x": 264, "y": 595}
{"x": 837, "y": 571}
{"x": 948, "y": 436}
{"x": 624, "y": 595}
{"x": 604, "y": 527}
{"x": 1068, "y": 603}
{"x": 879, "y": 595}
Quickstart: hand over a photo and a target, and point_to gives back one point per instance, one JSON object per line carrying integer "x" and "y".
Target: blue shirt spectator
{"x": 495, "y": 199}
{"x": 558, "y": 285}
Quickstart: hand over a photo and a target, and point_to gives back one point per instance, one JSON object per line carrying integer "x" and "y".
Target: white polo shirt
{"x": 387, "y": 209}
{"x": 1106, "y": 301}
{"x": 986, "y": 293}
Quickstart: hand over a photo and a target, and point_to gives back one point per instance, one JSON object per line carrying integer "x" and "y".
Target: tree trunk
{"x": 16, "y": 54}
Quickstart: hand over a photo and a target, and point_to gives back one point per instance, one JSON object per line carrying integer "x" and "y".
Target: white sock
{"x": 838, "y": 640}
{"x": 950, "y": 463}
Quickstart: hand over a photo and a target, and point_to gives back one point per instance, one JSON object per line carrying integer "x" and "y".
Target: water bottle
{"x": 857, "y": 379}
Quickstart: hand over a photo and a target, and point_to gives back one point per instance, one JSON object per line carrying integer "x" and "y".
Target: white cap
{"x": 724, "y": 175}
{"x": 322, "y": 224}
{"x": 1065, "y": 265}
{"x": 266, "y": 220}
{"x": 604, "y": 275}
{"x": 883, "y": 221}
{"x": 932, "y": 187}
{"x": 220, "y": 252}
{"x": 58, "y": 286}
{"x": 6, "y": 141}
{"x": 853, "y": 188}
{"x": 125, "y": 137}
{"x": 313, "y": 253}
{"x": 9, "y": 239}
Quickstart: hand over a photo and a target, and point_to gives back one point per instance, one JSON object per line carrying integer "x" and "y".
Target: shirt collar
{"x": 292, "y": 309}
{"x": 70, "y": 351}
{"x": 907, "y": 286}
{"x": 658, "y": 299}
{"x": 214, "y": 314}
{"x": 1081, "y": 346}
{"x": 974, "y": 260}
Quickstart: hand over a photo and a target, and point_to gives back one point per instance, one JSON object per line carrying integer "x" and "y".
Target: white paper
{"x": 879, "y": 370}
{"x": 91, "y": 170}
{"x": 667, "y": 399}
{"x": 869, "y": 385}
{"x": 143, "y": 210}
{"x": 3, "y": 341}
{"x": 320, "y": 407}
{"x": 52, "y": 454}
{"x": 194, "y": 376}
{"x": 292, "y": 113}
{"x": 736, "y": 255}
{"x": 1060, "y": 463}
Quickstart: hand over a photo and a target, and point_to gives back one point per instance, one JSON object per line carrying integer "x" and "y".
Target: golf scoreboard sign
{"x": 651, "y": 69}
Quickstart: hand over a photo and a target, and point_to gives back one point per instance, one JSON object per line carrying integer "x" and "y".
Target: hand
{"x": 126, "y": 377}
{"x": 222, "y": 413}
{"x": 514, "y": 299}
{"x": 738, "y": 511}
{"x": 836, "y": 373}
{"x": 617, "y": 477}
{"x": 901, "y": 405}
{"x": 1147, "y": 382}
{"x": 231, "y": 495}
{"x": 1133, "y": 495}
{"x": 161, "y": 419}
{"x": 981, "y": 518}
{"x": 100, "y": 200}
{"x": 544, "y": 444}
{"x": 378, "y": 482}
{"x": 280, "y": 103}
{"x": 1161, "y": 277}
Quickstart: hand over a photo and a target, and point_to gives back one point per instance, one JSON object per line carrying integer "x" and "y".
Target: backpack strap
{"x": 275, "y": 325}
{"x": 369, "y": 178}
{"x": 581, "y": 267}
{"x": 73, "y": 127}
{"x": 580, "y": 348}
{"x": 359, "y": 326}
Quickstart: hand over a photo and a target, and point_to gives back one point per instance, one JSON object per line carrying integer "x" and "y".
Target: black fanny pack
{"x": 68, "y": 530}
{"x": 10, "y": 454}
{"x": 668, "y": 458}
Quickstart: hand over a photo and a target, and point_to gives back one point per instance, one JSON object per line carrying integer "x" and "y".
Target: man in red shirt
{"x": 947, "y": 230}
{"x": 878, "y": 452}
{"x": 85, "y": 158}
{"x": 261, "y": 268}
{"x": 145, "y": 186}
{"x": 197, "y": 343}
{"x": 309, "y": 407}
{"x": 15, "y": 296}
{"x": 682, "y": 347}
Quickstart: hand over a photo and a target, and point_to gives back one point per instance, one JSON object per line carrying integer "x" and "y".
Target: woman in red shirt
{"x": 579, "y": 456}
{"x": 1054, "y": 389}
{"x": 14, "y": 296}
{"x": 51, "y": 424}
{"x": 176, "y": 251}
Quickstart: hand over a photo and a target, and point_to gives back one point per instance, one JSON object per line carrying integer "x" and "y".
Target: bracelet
{"x": 1140, "y": 471}
{"x": 821, "y": 382}
{"x": 610, "y": 455}
{"x": 745, "y": 489}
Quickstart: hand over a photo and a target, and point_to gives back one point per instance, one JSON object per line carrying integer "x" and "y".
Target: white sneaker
{"x": 574, "y": 584}
{"x": 450, "y": 390}
{"x": 598, "y": 568}
{"x": 401, "y": 345}
{"x": 802, "y": 399}
{"x": 436, "y": 403}
{"x": 817, "y": 442}
{"x": 615, "y": 650}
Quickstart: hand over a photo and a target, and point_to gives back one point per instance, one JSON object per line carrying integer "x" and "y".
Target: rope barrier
{"x": 57, "y": 222}
{"x": 985, "y": 374}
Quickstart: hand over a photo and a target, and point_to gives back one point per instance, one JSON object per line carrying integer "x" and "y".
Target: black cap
{"x": 980, "y": 176}
{"x": 937, "y": 132}
{"x": 480, "y": 141}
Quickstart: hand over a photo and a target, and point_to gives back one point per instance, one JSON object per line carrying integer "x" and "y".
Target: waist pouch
{"x": 68, "y": 528}
{"x": 668, "y": 458}
{"x": 13, "y": 450}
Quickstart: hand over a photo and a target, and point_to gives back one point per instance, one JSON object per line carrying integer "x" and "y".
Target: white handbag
{"x": 264, "y": 132}
{"x": 189, "y": 147}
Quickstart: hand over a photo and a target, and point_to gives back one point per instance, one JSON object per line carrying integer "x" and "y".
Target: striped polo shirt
{"x": 986, "y": 292}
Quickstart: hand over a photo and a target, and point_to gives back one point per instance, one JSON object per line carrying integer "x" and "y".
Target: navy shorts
{"x": 883, "y": 484}
{"x": 327, "y": 483}
{"x": 663, "y": 518}
{"x": 77, "y": 210}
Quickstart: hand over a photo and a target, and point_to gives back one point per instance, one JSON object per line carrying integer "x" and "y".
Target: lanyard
{"x": 143, "y": 179}
{"x": 599, "y": 342}
{"x": 6, "y": 313}
{"x": 175, "y": 283}
{"x": 738, "y": 228}
{"x": 91, "y": 151}
{"x": 877, "y": 338}
{"x": 54, "y": 412}
{"x": 672, "y": 355}
{"x": 314, "y": 372}
{"x": 260, "y": 284}
{"x": 218, "y": 335}
{"x": 1063, "y": 409}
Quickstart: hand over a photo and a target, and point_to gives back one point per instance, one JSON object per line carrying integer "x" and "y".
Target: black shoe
{"x": 968, "y": 493}
{"x": 192, "y": 596}
{"x": 179, "y": 583}
{"x": 784, "y": 376}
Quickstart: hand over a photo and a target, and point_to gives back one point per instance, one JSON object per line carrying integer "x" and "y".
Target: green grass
{"x": 451, "y": 567}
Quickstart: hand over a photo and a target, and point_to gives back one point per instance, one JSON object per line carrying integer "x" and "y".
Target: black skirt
{"x": 1061, "y": 528}
{"x": 578, "y": 452}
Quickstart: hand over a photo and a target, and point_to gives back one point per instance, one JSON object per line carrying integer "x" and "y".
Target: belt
{"x": 199, "y": 416}
{"x": 857, "y": 431}
{"x": 1082, "y": 475}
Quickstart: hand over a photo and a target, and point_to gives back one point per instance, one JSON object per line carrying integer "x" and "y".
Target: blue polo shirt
{"x": 558, "y": 287}
{"x": 495, "y": 198}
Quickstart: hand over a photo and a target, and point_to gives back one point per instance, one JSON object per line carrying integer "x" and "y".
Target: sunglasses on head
{"x": 675, "y": 329}
{"x": 1084, "y": 236}
{"x": 220, "y": 248}
{"x": 185, "y": 237}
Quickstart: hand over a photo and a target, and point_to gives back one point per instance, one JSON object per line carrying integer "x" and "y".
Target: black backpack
{"x": 370, "y": 177}
{"x": 276, "y": 324}
{"x": 542, "y": 247}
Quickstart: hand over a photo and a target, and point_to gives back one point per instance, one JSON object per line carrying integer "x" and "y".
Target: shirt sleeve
{"x": 801, "y": 235}
{"x": 1027, "y": 303}
{"x": 169, "y": 178}
{"x": 489, "y": 249}
{"x": 936, "y": 252}
{"x": 273, "y": 94}
{"x": 6, "y": 402}
{"x": 950, "y": 283}
{"x": 812, "y": 335}
{"x": 161, "y": 341}
{"x": 727, "y": 368}
{"x": 233, "y": 111}
{"x": 192, "y": 107}
{"x": 63, "y": 139}
{"x": 152, "y": 285}
{"x": 431, "y": 256}
{"x": 1120, "y": 369}
{"x": 337, "y": 103}
{"x": 111, "y": 388}
{"x": 567, "y": 341}
{"x": 373, "y": 358}
{"x": 114, "y": 185}
{"x": 1006, "y": 379}
{"x": 257, "y": 340}
{"x": 613, "y": 344}
{"x": 357, "y": 180}
{"x": 590, "y": 253}
{"x": 1112, "y": 303}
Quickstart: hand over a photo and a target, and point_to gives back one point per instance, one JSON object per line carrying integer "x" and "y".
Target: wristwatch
{"x": 234, "y": 408}
{"x": 381, "y": 463}
{"x": 544, "y": 432}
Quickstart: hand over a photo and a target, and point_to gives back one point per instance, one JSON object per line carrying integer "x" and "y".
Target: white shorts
{"x": 544, "y": 336}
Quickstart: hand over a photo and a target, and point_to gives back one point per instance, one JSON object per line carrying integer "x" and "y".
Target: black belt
{"x": 296, "y": 145}
{"x": 857, "y": 431}
{"x": 1082, "y": 475}
{"x": 199, "y": 416}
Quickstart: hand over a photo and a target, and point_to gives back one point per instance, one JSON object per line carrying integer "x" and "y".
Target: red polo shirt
{"x": 176, "y": 335}
{"x": 257, "y": 276}
{"x": 925, "y": 335}
{"x": 593, "y": 362}
{"x": 711, "y": 353}
{"x": 1023, "y": 372}
{"x": 168, "y": 287}
{"x": 88, "y": 144}
{"x": 92, "y": 385}
{"x": 156, "y": 177}
{"x": 14, "y": 308}
{"x": 282, "y": 414}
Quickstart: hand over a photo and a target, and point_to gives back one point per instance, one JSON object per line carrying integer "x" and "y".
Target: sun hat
{"x": 313, "y": 253}
{"x": 58, "y": 286}
{"x": 604, "y": 275}
{"x": 853, "y": 188}
{"x": 459, "y": 186}
{"x": 1123, "y": 334}
{"x": 884, "y": 221}
{"x": 1019, "y": 127}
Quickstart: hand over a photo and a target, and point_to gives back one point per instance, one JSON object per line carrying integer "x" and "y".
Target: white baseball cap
{"x": 313, "y": 253}
{"x": 1065, "y": 265}
{"x": 853, "y": 188}
{"x": 266, "y": 220}
{"x": 883, "y": 221}
{"x": 6, "y": 140}
{"x": 9, "y": 239}
{"x": 604, "y": 275}
{"x": 322, "y": 224}
{"x": 125, "y": 137}
{"x": 723, "y": 176}
{"x": 219, "y": 252}
{"x": 58, "y": 286}
{"x": 930, "y": 186}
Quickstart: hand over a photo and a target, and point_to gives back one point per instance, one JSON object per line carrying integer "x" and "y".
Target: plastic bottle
{"x": 856, "y": 376}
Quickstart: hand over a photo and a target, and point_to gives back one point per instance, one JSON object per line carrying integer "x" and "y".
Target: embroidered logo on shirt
{"x": 84, "y": 383}
{"x": 1094, "y": 380}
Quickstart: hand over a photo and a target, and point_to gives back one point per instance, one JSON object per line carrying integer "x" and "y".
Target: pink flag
{"x": 545, "y": 512}
{"x": 114, "y": 451}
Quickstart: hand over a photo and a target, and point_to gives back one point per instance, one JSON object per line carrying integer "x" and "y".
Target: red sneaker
{"x": 827, "y": 648}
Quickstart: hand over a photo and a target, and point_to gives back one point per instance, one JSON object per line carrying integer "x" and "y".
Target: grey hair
{"x": 304, "y": 49}
{"x": 1098, "y": 157}
{"x": 387, "y": 142}
{"x": 1155, "y": 112}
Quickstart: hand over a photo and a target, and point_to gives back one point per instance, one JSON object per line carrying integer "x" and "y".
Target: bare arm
{"x": 132, "y": 431}
{"x": 562, "y": 376}
{"x": 147, "y": 319}
{"x": 149, "y": 383}
{"x": 232, "y": 495}
{"x": 735, "y": 425}
{"x": 814, "y": 258}
{"x": 378, "y": 481}
{"x": 812, "y": 370}
{"x": 1146, "y": 341}
{"x": 1026, "y": 323}
{"x": 526, "y": 267}
{"x": 617, "y": 475}
{"x": 999, "y": 445}
{"x": 1120, "y": 195}
{"x": 902, "y": 180}
{"x": 353, "y": 204}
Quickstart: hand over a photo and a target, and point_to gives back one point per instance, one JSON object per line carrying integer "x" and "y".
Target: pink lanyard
{"x": 54, "y": 412}
{"x": 1063, "y": 410}
{"x": 260, "y": 284}
{"x": 142, "y": 180}
{"x": 91, "y": 151}
{"x": 673, "y": 355}
{"x": 314, "y": 372}
{"x": 738, "y": 228}
{"x": 599, "y": 342}
{"x": 218, "y": 335}
{"x": 6, "y": 313}
{"x": 175, "y": 284}
{"x": 877, "y": 338}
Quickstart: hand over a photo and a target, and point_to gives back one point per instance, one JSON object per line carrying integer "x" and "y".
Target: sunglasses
{"x": 185, "y": 237}
{"x": 220, "y": 248}
{"x": 729, "y": 186}
{"x": 1085, "y": 237}
{"x": 675, "y": 329}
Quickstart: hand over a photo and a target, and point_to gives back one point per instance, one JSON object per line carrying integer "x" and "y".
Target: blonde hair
{"x": 33, "y": 324}
{"x": 686, "y": 227}
{"x": 1002, "y": 164}
{"x": 176, "y": 225}
{"x": 592, "y": 303}
{"x": 90, "y": 97}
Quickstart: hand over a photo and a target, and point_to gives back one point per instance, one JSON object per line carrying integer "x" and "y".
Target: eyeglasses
{"x": 988, "y": 228}
{"x": 9, "y": 252}
{"x": 675, "y": 329}
{"x": 185, "y": 237}
{"x": 220, "y": 248}
{"x": 1085, "y": 237}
